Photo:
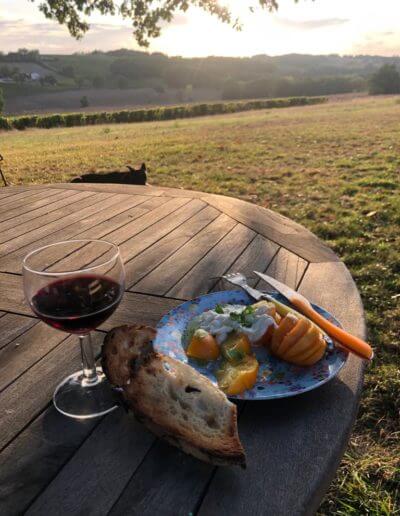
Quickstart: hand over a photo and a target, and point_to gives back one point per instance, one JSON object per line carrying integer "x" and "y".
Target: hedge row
{"x": 146, "y": 115}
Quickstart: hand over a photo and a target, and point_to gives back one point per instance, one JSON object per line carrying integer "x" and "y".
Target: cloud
{"x": 52, "y": 37}
{"x": 378, "y": 43}
{"x": 310, "y": 24}
{"x": 49, "y": 36}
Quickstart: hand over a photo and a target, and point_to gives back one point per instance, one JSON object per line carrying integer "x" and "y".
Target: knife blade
{"x": 347, "y": 340}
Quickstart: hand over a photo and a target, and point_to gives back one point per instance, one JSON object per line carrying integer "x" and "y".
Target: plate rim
{"x": 288, "y": 394}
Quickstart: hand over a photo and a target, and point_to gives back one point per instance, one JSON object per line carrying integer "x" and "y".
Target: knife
{"x": 348, "y": 341}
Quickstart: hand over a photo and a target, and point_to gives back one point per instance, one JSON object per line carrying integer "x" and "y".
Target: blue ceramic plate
{"x": 276, "y": 378}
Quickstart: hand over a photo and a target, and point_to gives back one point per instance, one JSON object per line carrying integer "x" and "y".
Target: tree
{"x": 68, "y": 71}
{"x": 123, "y": 83}
{"x": 79, "y": 81}
{"x": 1, "y": 100}
{"x": 232, "y": 90}
{"x": 385, "y": 81}
{"x": 98, "y": 82}
{"x": 147, "y": 16}
{"x": 49, "y": 80}
{"x": 84, "y": 101}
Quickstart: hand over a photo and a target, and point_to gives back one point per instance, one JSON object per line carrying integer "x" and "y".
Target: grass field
{"x": 335, "y": 168}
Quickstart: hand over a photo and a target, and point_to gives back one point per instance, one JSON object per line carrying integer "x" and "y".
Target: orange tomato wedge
{"x": 203, "y": 346}
{"x": 235, "y": 379}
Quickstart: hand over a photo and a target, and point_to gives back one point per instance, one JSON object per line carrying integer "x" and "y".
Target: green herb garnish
{"x": 219, "y": 309}
{"x": 241, "y": 317}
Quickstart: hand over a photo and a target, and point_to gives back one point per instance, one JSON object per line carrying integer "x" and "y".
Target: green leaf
{"x": 219, "y": 309}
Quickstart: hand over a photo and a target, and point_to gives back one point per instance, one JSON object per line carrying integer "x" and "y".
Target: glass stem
{"x": 88, "y": 361}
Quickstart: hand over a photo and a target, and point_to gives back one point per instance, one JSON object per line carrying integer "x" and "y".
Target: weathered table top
{"x": 171, "y": 241}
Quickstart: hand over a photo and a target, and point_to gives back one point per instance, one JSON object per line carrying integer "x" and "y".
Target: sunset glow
{"x": 319, "y": 27}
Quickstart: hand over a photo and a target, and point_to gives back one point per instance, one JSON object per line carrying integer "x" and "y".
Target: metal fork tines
{"x": 239, "y": 279}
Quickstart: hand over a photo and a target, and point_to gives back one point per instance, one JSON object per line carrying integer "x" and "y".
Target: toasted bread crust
{"x": 121, "y": 348}
{"x": 164, "y": 394}
{"x": 224, "y": 451}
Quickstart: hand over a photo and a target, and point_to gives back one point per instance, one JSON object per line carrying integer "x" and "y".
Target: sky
{"x": 308, "y": 27}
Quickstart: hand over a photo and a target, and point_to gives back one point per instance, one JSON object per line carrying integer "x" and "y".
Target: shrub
{"x": 47, "y": 122}
{"x": 23, "y": 122}
{"x": 142, "y": 115}
{"x": 5, "y": 123}
{"x": 74, "y": 119}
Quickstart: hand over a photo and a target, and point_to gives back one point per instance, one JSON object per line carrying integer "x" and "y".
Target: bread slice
{"x": 172, "y": 399}
{"x": 121, "y": 348}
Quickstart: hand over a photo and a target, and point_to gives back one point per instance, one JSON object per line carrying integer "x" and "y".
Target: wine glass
{"x": 75, "y": 286}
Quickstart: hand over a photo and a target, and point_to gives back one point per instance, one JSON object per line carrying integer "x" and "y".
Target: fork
{"x": 239, "y": 279}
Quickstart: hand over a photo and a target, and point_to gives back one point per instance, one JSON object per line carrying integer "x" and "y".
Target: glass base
{"x": 82, "y": 399}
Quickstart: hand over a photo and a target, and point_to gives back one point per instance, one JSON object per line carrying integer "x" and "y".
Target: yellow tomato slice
{"x": 235, "y": 379}
{"x": 236, "y": 347}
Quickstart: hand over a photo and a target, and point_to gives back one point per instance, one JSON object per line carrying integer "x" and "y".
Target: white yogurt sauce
{"x": 220, "y": 324}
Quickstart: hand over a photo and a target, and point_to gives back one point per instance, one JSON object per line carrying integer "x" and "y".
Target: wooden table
{"x": 172, "y": 241}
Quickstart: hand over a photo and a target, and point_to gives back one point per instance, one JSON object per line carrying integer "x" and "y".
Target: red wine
{"x": 77, "y": 304}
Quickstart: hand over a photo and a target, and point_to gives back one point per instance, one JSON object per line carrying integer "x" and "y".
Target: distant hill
{"x": 178, "y": 79}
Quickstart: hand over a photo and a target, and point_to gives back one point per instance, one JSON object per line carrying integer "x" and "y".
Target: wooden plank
{"x": 38, "y": 199}
{"x": 131, "y": 189}
{"x": 19, "y": 199}
{"x": 24, "y": 399}
{"x": 89, "y": 253}
{"x": 149, "y": 259}
{"x": 30, "y": 211}
{"x": 9, "y": 191}
{"x": 12, "y": 297}
{"x": 23, "y": 198}
{"x": 62, "y": 209}
{"x": 286, "y": 267}
{"x": 161, "y": 279}
{"x": 303, "y": 437}
{"x": 256, "y": 257}
{"x": 141, "y": 241}
{"x": 116, "y": 216}
{"x": 155, "y": 216}
{"x": 168, "y": 482}
{"x": 27, "y": 349}
{"x": 36, "y": 455}
{"x": 90, "y": 204}
{"x": 141, "y": 309}
{"x": 138, "y": 308}
{"x": 92, "y": 480}
{"x": 113, "y": 223}
{"x": 275, "y": 227}
{"x": 12, "y": 326}
{"x": 12, "y": 262}
{"x": 112, "y": 188}
{"x": 198, "y": 281}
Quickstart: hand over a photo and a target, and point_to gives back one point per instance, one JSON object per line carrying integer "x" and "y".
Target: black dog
{"x": 133, "y": 177}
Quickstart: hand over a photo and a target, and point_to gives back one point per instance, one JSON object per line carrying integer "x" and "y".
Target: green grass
{"x": 335, "y": 169}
